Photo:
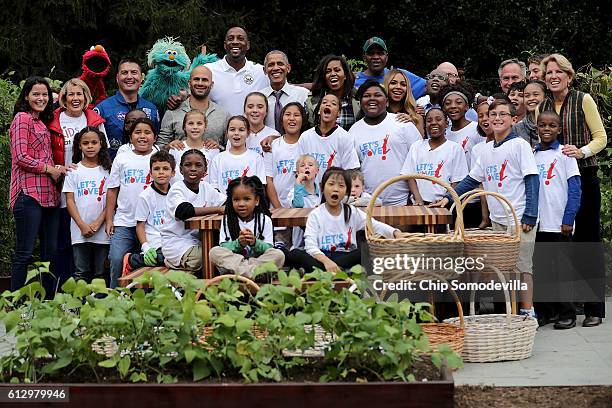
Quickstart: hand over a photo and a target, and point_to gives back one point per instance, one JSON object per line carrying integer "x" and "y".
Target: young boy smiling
{"x": 507, "y": 167}
{"x": 150, "y": 214}
{"x": 559, "y": 202}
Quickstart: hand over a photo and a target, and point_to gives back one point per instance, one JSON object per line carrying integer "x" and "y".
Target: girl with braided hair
{"x": 246, "y": 236}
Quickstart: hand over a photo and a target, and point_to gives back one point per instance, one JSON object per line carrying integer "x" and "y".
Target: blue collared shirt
{"x": 113, "y": 109}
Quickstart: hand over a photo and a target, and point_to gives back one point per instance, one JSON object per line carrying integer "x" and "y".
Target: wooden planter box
{"x": 437, "y": 394}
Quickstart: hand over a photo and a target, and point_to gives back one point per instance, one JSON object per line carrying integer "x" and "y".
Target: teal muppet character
{"x": 170, "y": 70}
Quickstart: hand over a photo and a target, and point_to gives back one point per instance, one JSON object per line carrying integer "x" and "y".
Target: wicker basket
{"x": 416, "y": 245}
{"x": 447, "y": 333}
{"x": 497, "y": 337}
{"x": 499, "y": 249}
{"x": 247, "y": 286}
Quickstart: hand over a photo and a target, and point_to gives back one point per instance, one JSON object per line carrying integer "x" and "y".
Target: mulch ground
{"x": 527, "y": 397}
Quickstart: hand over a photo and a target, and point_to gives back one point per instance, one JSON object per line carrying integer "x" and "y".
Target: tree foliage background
{"x": 36, "y": 35}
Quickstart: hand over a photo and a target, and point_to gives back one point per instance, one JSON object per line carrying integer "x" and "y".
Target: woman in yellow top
{"x": 583, "y": 136}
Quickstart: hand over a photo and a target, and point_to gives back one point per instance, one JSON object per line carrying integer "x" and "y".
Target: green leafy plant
{"x": 168, "y": 334}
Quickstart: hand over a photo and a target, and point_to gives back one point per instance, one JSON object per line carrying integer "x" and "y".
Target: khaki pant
{"x": 525, "y": 259}
{"x": 191, "y": 260}
{"x": 230, "y": 262}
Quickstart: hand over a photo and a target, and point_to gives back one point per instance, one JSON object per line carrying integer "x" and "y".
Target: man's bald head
{"x": 200, "y": 82}
{"x": 200, "y": 70}
{"x": 451, "y": 70}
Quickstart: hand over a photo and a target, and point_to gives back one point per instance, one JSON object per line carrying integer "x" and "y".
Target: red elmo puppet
{"x": 95, "y": 66}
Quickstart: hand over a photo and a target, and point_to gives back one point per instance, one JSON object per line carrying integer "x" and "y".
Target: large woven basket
{"x": 497, "y": 337}
{"x": 499, "y": 249}
{"x": 247, "y": 286}
{"x": 416, "y": 245}
{"x": 447, "y": 333}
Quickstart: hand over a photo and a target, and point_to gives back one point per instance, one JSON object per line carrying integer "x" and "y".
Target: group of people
{"x": 117, "y": 183}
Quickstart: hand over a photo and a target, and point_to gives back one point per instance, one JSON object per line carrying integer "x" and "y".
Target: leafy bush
{"x": 117, "y": 335}
{"x": 8, "y": 96}
{"x": 598, "y": 83}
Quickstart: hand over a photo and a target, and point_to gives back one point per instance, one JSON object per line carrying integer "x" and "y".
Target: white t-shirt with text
{"x": 329, "y": 233}
{"x": 227, "y": 166}
{"x": 176, "y": 239}
{"x": 89, "y": 185}
{"x": 151, "y": 208}
{"x": 131, "y": 174}
{"x": 382, "y": 151}
{"x": 446, "y": 162}
{"x": 502, "y": 170}
{"x": 554, "y": 169}
{"x": 280, "y": 165}
{"x": 336, "y": 149}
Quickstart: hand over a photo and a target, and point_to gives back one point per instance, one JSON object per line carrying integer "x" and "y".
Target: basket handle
{"x": 252, "y": 286}
{"x": 504, "y": 200}
{"x": 454, "y": 294}
{"x": 414, "y": 176}
{"x": 506, "y": 295}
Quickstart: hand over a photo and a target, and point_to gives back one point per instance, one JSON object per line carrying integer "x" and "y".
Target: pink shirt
{"x": 30, "y": 151}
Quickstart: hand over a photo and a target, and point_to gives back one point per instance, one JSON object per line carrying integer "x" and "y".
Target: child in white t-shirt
{"x": 280, "y": 164}
{"x": 305, "y": 192}
{"x": 255, "y": 111}
{"x": 194, "y": 126}
{"x": 245, "y": 239}
{"x": 382, "y": 145}
{"x": 485, "y": 130}
{"x": 151, "y": 214}
{"x": 128, "y": 122}
{"x": 85, "y": 188}
{"x": 129, "y": 177}
{"x": 237, "y": 161}
{"x": 456, "y": 103}
{"x": 507, "y": 166}
{"x": 190, "y": 197}
{"x": 331, "y": 229}
{"x": 559, "y": 201}
{"x": 327, "y": 142}
{"x": 435, "y": 157}
{"x": 281, "y": 161}
{"x": 359, "y": 197}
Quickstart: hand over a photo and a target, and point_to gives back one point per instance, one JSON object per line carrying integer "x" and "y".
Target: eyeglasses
{"x": 500, "y": 114}
{"x": 439, "y": 77}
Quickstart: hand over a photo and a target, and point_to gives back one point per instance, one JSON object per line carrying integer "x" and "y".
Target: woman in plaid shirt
{"x": 34, "y": 196}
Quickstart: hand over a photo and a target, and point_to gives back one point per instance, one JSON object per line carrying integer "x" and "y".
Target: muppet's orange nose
{"x": 99, "y": 48}
{"x": 171, "y": 57}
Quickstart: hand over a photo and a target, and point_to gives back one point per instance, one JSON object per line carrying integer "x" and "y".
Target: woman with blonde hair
{"x": 401, "y": 101}
{"x": 582, "y": 136}
{"x": 68, "y": 120}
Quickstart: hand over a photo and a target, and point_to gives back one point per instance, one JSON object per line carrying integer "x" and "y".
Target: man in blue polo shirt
{"x": 376, "y": 56}
{"x": 114, "y": 108}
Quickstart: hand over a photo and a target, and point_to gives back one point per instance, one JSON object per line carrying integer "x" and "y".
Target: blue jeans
{"x": 89, "y": 261}
{"x": 62, "y": 262}
{"x": 33, "y": 220}
{"x": 124, "y": 240}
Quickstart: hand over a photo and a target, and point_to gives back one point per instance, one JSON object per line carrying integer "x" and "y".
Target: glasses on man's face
{"x": 439, "y": 77}
{"x": 502, "y": 115}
